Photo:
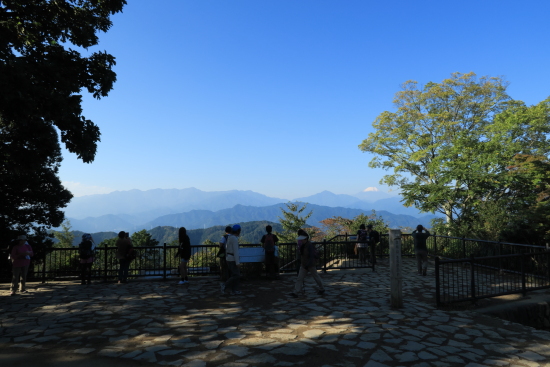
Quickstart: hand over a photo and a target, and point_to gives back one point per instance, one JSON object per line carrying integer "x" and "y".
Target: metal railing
{"x": 466, "y": 269}
{"x": 160, "y": 261}
{"x": 476, "y": 278}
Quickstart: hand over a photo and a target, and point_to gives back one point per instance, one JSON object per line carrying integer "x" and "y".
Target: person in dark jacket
{"x": 124, "y": 246}
{"x": 420, "y": 235}
{"x": 86, "y": 254}
{"x": 269, "y": 242}
{"x": 184, "y": 253}
{"x": 307, "y": 264}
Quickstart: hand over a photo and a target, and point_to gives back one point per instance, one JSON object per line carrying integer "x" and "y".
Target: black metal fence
{"x": 161, "y": 262}
{"x": 475, "y": 278}
{"x": 466, "y": 269}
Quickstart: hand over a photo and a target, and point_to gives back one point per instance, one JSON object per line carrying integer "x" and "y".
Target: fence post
{"x": 463, "y": 247}
{"x": 548, "y": 261}
{"x": 325, "y": 255}
{"x": 44, "y": 268}
{"x": 105, "y": 263}
{"x": 396, "y": 291}
{"x": 437, "y": 283}
{"x": 435, "y": 244}
{"x": 472, "y": 278}
{"x": 164, "y": 266}
{"x": 499, "y": 254}
{"x": 523, "y": 280}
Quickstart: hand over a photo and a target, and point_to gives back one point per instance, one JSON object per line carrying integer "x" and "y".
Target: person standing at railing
{"x": 21, "y": 259}
{"x": 233, "y": 261}
{"x": 224, "y": 273}
{"x": 362, "y": 245}
{"x": 308, "y": 255}
{"x": 420, "y": 235}
{"x": 184, "y": 252}
{"x": 124, "y": 246}
{"x": 373, "y": 238}
{"x": 269, "y": 242}
{"x": 86, "y": 255}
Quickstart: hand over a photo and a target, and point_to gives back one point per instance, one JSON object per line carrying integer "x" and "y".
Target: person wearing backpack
{"x": 184, "y": 252}
{"x": 20, "y": 256}
{"x": 86, "y": 254}
{"x": 221, "y": 255}
{"x": 309, "y": 256}
{"x": 269, "y": 242}
{"x": 361, "y": 248}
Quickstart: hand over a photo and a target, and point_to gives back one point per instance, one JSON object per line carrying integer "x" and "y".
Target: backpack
{"x": 269, "y": 244}
{"x": 362, "y": 236}
{"x": 85, "y": 250}
{"x": 315, "y": 252}
{"x": 131, "y": 254}
{"x": 221, "y": 251}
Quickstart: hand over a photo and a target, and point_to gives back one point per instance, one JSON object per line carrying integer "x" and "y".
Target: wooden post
{"x": 396, "y": 291}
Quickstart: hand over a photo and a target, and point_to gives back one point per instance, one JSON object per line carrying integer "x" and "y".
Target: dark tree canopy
{"x": 41, "y": 78}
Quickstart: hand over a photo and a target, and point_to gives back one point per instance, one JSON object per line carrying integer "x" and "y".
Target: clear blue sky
{"x": 275, "y": 96}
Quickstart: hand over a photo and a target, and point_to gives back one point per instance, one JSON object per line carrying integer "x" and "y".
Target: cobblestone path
{"x": 352, "y": 324}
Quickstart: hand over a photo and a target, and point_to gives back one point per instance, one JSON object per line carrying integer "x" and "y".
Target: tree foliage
{"x": 41, "y": 77}
{"x": 452, "y": 146}
{"x": 292, "y": 220}
{"x": 338, "y": 225}
{"x": 65, "y": 237}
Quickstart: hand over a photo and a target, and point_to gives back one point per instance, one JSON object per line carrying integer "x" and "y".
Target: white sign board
{"x": 252, "y": 254}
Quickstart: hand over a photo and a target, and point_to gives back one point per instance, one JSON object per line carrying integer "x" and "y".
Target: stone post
{"x": 396, "y": 279}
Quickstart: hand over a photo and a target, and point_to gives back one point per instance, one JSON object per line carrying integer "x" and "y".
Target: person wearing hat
{"x": 420, "y": 235}
{"x": 86, "y": 254}
{"x": 233, "y": 261}
{"x": 21, "y": 259}
{"x": 308, "y": 264}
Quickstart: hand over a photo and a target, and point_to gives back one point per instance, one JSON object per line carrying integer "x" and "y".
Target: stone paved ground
{"x": 163, "y": 323}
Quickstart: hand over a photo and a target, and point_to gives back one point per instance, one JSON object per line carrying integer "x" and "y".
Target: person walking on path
{"x": 233, "y": 261}
{"x": 123, "y": 254}
{"x": 308, "y": 264}
{"x": 269, "y": 242}
{"x": 21, "y": 259}
{"x": 86, "y": 254}
{"x": 222, "y": 255}
{"x": 420, "y": 235}
{"x": 373, "y": 238}
{"x": 184, "y": 252}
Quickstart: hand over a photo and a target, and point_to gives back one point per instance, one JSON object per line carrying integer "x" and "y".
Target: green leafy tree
{"x": 143, "y": 239}
{"x": 292, "y": 220}
{"x": 450, "y": 145}
{"x": 42, "y": 77}
{"x": 64, "y": 237}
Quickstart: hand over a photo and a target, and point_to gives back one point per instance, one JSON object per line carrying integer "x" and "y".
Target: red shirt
{"x": 19, "y": 256}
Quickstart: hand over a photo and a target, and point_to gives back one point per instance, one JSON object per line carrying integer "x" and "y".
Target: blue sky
{"x": 276, "y": 96}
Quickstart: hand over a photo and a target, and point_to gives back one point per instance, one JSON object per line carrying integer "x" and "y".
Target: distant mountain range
{"x": 135, "y": 210}
{"x": 252, "y": 233}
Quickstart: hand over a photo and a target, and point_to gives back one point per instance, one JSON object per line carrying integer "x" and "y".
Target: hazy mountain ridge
{"x": 195, "y": 219}
{"x": 135, "y": 210}
{"x": 252, "y": 232}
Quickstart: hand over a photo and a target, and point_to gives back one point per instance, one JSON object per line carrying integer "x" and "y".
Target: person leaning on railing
{"x": 124, "y": 245}
{"x": 420, "y": 235}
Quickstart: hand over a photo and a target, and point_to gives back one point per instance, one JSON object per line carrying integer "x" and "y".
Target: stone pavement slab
{"x": 352, "y": 324}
